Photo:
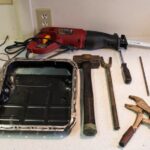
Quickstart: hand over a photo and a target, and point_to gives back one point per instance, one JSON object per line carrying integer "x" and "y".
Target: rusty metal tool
{"x": 87, "y": 62}
{"x": 140, "y": 108}
{"x": 111, "y": 92}
{"x": 144, "y": 76}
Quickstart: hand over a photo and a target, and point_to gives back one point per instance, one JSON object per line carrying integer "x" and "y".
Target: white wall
{"x": 16, "y": 20}
{"x": 122, "y": 16}
{"x": 131, "y": 17}
{"x": 25, "y": 18}
{"x": 8, "y": 21}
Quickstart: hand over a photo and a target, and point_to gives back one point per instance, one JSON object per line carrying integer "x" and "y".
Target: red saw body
{"x": 52, "y": 38}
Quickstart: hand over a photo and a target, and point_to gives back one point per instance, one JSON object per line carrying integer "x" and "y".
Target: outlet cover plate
{"x": 43, "y": 18}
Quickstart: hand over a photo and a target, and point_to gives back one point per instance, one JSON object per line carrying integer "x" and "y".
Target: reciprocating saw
{"x": 51, "y": 38}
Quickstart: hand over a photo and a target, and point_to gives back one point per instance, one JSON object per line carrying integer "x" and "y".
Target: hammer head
{"x": 94, "y": 60}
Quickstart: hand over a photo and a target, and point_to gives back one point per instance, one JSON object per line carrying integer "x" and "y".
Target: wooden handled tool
{"x": 140, "y": 107}
{"x": 86, "y": 63}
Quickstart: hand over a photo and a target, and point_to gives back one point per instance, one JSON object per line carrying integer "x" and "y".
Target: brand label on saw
{"x": 64, "y": 31}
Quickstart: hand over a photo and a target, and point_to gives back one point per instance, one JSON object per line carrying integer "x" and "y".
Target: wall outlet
{"x": 43, "y": 18}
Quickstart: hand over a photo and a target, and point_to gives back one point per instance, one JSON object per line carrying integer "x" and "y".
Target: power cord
{"x": 1, "y": 58}
{"x": 66, "y": 49}
{"x": 17, "y": 48}
{"x": 7, "y": 37}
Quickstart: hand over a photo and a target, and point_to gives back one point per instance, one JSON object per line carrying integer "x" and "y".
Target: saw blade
{"x": 138, "y": 44}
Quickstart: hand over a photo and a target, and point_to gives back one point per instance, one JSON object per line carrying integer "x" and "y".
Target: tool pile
{"x": 63, "y": 73}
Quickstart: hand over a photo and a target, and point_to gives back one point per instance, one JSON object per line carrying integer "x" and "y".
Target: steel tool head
{"x": 104, "y": 64}
{"x": 94, "y": 60}
{"x": 134, "y": 108}
{"x": 146, "y": 121}
{"x": 139, "y": 109}
{"x": 140, "y": 103}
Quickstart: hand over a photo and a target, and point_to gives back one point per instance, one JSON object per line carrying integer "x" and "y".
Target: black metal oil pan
{"x": 38, "y": 95}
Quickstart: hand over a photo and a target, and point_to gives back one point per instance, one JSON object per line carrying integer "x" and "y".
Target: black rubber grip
{"x": 98, "y": 40}
{"x": 126, "y": 73}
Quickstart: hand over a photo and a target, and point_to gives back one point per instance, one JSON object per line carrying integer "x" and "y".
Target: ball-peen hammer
{"x": 87, "y": 62}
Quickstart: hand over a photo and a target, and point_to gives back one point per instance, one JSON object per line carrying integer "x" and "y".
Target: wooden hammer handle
{"x": 89, "y": 116}
{"x": 127, "y": 136}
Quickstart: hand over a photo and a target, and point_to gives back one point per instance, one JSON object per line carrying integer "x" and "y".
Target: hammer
{"x": 86, "y": 62}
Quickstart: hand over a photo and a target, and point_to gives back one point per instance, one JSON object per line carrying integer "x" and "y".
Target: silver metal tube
{"x": 121, "y": 56}
{"x": 138, "y": 44}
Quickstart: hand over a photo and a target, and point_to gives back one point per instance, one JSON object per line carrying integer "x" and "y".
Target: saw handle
{"x": 126, "y": 73}
{"x": 98, "y": 40}
{"x": 127, "y": 136}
